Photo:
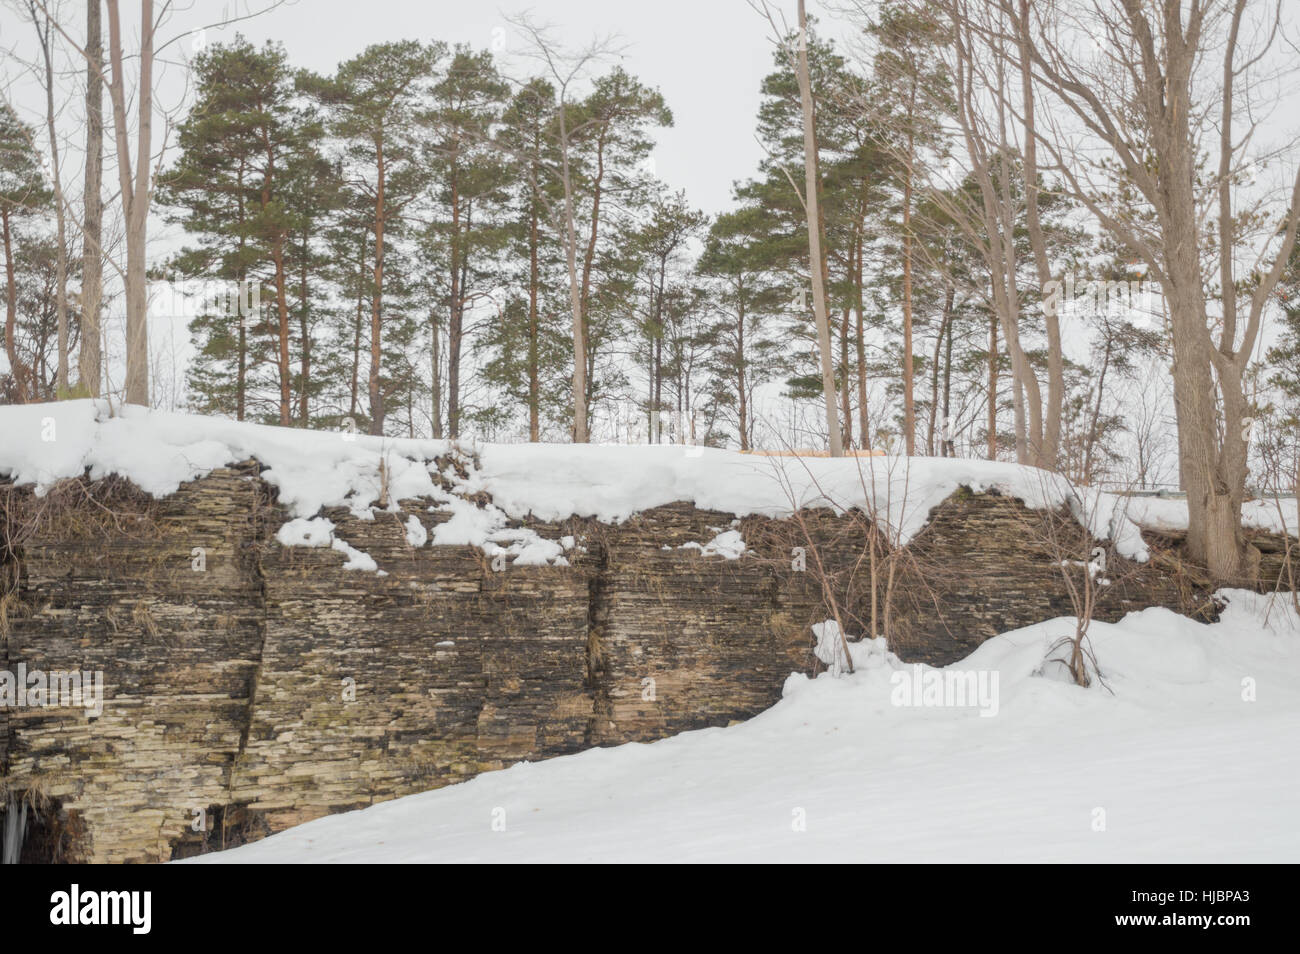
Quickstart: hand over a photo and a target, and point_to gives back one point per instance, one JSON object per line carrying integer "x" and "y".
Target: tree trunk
{"x": 455, "y": 317}
{"x": 588, "y": 262}
{"x": 993, "y": 389}
{"x": 534, "y": 389}
{"x": 864, "y": 433}
{"x": 355, "y": 381}
{"x": 949, "y": 449}
{"x": 846, "y": 403}
{"x": 92, "y": 252}
{"x": 909, "y": 400}
{"x": 1214, "y": 472}
{"x": 11, "y": 313}
{"x": 435, "y": 361}
{"x": 304, "y": 415}
{"x": 281, "y": 292}
{"x": 241, "y": 372}
{"x": 1086, "y": 470}
{"x": 657, "y": 356}
{"x": 816, "y": 256}
{"x": 282, "y": 311}
{"x": 375, "y": 391}
{"x": 61, "y": 231}
{"x": 1050, "y": 444}
{"x": 1027, "y": 395}
{"x": 934, "y": 375}
{"x": 742, "y": 405}
{"x": 135, "y": 194}
{"x": 575, "y": 295}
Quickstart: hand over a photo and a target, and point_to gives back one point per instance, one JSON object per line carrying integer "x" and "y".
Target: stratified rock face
{"x": 108, "y": 586}
{"x": 986, "y": 565}
{"x": 375, "y": 686}
{"x": 251, "y": 686}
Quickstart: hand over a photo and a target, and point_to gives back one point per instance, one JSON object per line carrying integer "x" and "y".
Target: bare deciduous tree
{"x": 816, "y": 236}
{"x": 1171, "y": 104}
{"x": 566, "y": 69}
{"x": 135, "y": 182}
{"x": 92, "y": 254}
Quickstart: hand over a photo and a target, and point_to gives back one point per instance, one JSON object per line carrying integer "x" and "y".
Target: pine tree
{"x": 914, "y": 92}
{"x": 526, "y": 348}
{"x": 468, "y": 195}
{"x": 748, "y": 296}
{"x": 843, "y": 192}
{"x": 246, "y": 146}
{"x": 374, "y": 99}
{"x": 659, "y": 246}
{"x": 611, "y": 136}
{"x": 23, "y": 193}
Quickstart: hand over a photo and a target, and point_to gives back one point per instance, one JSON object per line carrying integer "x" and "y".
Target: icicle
{"x": 15, "y": 830}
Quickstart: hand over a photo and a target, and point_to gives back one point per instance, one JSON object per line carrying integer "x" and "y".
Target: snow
{"x": 830, "y": 647}
{"x": 728, "y": 544}
{"x": 1190, "y": 755}
{"x": 312, "y": 470}
{"x": 316, "y": 532}
{"x": 160, "y": 450}
{"x": 1169, "y": 514}
{"x": 357, "y": 560}
{"x": 319, "y": 532}
{"x": 613, "y": 483}
{"x": 416, "y": 535}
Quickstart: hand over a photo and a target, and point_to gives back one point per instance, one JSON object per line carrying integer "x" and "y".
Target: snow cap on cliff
{"x": 158, "y": 451}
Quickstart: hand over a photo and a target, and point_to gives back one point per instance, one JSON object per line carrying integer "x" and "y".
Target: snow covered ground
{"x": 1192, "y": 756}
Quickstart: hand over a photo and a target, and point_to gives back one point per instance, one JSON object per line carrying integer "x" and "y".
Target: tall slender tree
{"x": 89, "y": 360}
{"x": 374, "y": 99}
{"x": 23, "y": 194}
{"x": 135, "y": 182}
{"x": 468, "y": 193}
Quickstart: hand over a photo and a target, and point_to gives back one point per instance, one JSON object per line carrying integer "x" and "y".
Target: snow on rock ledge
{"x": 41, "y": 444}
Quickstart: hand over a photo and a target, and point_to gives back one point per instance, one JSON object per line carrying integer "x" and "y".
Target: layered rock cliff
{"x": 251, "y": 685}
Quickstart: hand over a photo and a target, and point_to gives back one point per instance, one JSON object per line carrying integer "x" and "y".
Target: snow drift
{"x": 1190, "y": 755}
